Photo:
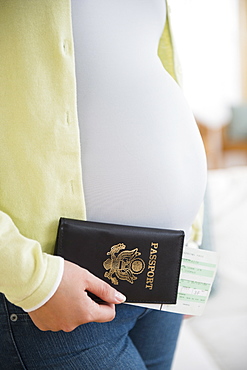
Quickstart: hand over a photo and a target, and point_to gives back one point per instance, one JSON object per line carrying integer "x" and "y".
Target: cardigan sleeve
{"x": 39, "y": 142}
{"x": 28, "y": 277}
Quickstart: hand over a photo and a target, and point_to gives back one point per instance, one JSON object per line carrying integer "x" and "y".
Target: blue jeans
{"x": 136, "y": 339}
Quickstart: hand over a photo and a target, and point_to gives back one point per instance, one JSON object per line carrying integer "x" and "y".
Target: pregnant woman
{"x": 142, "y": 162}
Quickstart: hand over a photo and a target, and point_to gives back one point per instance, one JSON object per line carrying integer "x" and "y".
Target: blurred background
{"x": 211, "y": 40}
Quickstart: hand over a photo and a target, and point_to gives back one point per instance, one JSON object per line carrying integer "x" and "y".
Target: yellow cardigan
{"x": 40, "y": 169}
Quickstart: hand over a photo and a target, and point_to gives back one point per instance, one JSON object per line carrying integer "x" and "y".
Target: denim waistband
{"x": 8, "y": 308}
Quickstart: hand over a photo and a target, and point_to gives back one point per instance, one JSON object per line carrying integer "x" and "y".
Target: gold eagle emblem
{"x": 124, "y": 265}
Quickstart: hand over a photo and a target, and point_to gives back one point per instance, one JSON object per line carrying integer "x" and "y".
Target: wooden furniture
{"x": 221, "y": 150}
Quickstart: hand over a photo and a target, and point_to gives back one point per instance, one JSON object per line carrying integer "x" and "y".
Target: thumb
{"x": 103, "y": 290}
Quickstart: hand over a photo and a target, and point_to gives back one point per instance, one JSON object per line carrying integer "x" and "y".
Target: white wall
{"x": 206, "y": 35}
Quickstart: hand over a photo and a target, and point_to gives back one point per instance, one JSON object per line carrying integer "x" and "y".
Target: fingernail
{"x": 120, "y": 297}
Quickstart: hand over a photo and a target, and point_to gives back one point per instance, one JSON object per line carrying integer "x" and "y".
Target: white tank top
{"x": 143, "y": 160}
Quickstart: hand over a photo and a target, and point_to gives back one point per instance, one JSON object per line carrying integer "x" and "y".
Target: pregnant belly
{"x": 143, "y": 159}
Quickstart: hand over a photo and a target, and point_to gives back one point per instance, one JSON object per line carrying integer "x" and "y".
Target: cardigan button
{"x": 66, "y": 47}
{"x": 68, "y": 118}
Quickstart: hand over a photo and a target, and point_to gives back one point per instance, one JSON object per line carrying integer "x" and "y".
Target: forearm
{"x": 27, "y": 275}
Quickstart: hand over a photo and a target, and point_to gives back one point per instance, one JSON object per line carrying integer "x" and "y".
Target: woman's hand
{"x": 70, "y": 306}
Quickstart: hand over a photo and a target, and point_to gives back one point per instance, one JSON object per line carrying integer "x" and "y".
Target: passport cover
{"x": 142, "y": 263}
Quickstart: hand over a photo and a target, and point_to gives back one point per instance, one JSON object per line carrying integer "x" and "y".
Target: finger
{"x": 104, "y": 312}
{"x": 40, "y": 325}
{"x": 103, "y": 290}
